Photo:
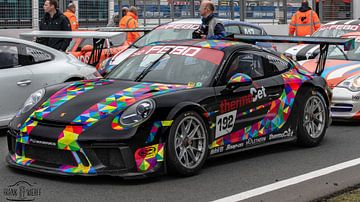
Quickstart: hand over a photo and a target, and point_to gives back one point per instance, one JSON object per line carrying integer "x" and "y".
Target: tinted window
{"x": 9, "y": 56}
{"x": 87, "y": 41}
{"x": 233, "y": 29}
{"x": 247, "y": 30}
{"x": 275, "y": 64}
{"x": 118, "y": 40}
{"x": 35, "y": 55}
{"x": 246, "y": 63}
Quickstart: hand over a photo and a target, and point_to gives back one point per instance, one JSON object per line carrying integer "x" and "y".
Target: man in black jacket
{"x": 54, "y": 20}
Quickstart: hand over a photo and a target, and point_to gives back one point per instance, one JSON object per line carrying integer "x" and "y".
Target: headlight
{"x": 137, "y": 113}
{"x": 352, "y": 83}
{"x": 32, "y": 100}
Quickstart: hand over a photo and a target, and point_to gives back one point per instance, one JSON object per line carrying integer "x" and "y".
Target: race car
{"x": 342, "y": 74}
{"x": 169, "y": 107}
{"x": 81, "y": 47}
{"x": 332, "y": 29}
{"x": 27, "y": 66}
{"x": 91, "y": 47}
{"x": 178, "y": 30}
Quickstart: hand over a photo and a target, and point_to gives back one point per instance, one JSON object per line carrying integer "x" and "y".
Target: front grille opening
{"x": 83, "y": 159}
{"x": 110, "y": 157}
{"x": 342, "y": 108}
{"x": 49, "y": 155}
{"x": 11, "y": 144}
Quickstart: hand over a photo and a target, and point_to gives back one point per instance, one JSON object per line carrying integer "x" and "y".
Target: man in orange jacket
{"x": 70, "y": 14}
{"x": 130, "y": 21}
{"x": 304, "y": 22}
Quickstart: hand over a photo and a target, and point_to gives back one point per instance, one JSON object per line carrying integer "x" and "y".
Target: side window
{"x": 247, "y": 30}
{"x": 118, "y": 40}
{"x": 9, "y": 56}
{"x": 87, "y": 41}
{"x": 232, "y": 29}
{"x": 274, "y": 64}
{"x": 246, "y": 63}
{"x": 35, "y": 55}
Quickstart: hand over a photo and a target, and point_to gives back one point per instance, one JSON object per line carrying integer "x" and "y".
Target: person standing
{"x": 211, "y": 27}
{"x": 130, "y": 21}
{"x": 304, "y": 22}
{"x": 70, "y": 14}
{"x": 54, "y": 20}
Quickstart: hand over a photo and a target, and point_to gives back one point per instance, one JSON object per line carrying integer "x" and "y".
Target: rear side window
{"x": 9, "y": 56}
{"x": 233, "y": 29}
{"x": 36, "y": 55}
{"x": 248, "y": 30}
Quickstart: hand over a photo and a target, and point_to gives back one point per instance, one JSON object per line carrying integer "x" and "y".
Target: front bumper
{"x": 90, "y": 160}
{"x": 345, "y": 104}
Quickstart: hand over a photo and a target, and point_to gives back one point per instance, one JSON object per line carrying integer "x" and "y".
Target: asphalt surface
{"x": 221, "y": 177}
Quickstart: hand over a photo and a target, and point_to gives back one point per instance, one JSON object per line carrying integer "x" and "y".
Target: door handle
{"x": 23, "y": 83}
{"x": 274, "y": 95}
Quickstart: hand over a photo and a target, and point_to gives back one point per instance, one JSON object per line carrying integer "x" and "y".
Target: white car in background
{"x": 27, "y": 66}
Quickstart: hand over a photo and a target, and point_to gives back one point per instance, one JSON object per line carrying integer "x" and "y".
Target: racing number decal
{"x": 225, "y": 123}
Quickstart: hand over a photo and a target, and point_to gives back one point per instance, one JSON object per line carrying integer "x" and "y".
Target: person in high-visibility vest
{"x": 70, "y": 14}
{"x": 130, "y": 20}
{"x": 304, "y": 22}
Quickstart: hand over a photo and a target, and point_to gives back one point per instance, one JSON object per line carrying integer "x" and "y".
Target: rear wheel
{"x": 313, "y": 119}
{"x": 187, "y": 144}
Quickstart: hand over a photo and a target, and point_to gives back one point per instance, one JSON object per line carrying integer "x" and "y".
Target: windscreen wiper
{"x": 148, "y": 69}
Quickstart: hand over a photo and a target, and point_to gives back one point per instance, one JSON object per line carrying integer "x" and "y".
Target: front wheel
{"x": 313, "y": 119}
{"x": 187, "y": 144}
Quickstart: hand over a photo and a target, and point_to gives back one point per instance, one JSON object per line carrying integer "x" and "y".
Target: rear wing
{"x": 99, "y": 39}
{"x": 324, "y": 43}
{"x": 69, "y": 34}
{"x": 117, "y": 29}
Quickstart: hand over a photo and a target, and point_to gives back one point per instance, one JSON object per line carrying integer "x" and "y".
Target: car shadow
{"x": 347, "y": 123}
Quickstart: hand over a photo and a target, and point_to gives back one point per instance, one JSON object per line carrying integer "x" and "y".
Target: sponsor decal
{"x": 287, "y": 133}
{"x": 148, "y": 152}
{"x": 356, "y": 97}
{"x": 22, "y": 191}
{"x": 256, "y": 141}
{"x": 340, "y": 27}
{"x": 217, "y": 150}
{"x": 242, "y": 101}
{"x": 225, "y": 123}
{"x": 84, "y": 59}
{"x": 34, "y": 141}
{"x": 177, "y": 50}
{"x": 234, "y": 146}
{"x": 258, "y": 94}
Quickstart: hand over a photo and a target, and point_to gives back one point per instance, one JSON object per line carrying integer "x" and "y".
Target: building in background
{"x": 95, "y": 13}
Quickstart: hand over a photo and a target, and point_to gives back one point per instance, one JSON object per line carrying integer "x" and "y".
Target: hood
{"x": 335, "y": 71}
{"x": 87, "y": 102}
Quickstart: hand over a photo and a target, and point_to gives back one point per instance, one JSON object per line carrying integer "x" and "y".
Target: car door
{"x": 15, "y": 81}
{"x": 39, "y": 62}
{"x": 242, "y": 111}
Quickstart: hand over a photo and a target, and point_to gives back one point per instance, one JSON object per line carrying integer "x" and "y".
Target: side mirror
{"x": 87, "y": 48}
{"x": 238, "y": 80}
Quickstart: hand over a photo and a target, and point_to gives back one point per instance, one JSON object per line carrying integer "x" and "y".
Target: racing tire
{"x": 187, "y": 149}
{"x": 313, "y": 118}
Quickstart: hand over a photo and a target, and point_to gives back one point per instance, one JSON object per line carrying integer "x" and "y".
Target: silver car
{"x": 27, "y": 66}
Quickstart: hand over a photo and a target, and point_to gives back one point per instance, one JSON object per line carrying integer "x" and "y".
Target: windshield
{"x": 338, "y": 53}
{"x": 335, "y": 30}
{"x": 182, "y": 65}
{"x": 168, "y": 32}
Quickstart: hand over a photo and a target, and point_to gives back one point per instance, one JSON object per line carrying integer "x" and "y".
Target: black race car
{"x": 169, "y": 107}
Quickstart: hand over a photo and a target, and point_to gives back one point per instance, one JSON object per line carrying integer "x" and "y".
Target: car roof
{"x": 211, "y": 44}
{"x": 29, "y": 43}
{"x": 344, "y": 22}
{"x": 224, "y": 21}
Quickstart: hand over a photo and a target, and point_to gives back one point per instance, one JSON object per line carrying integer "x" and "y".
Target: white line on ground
{"x": 290, "y": 181}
